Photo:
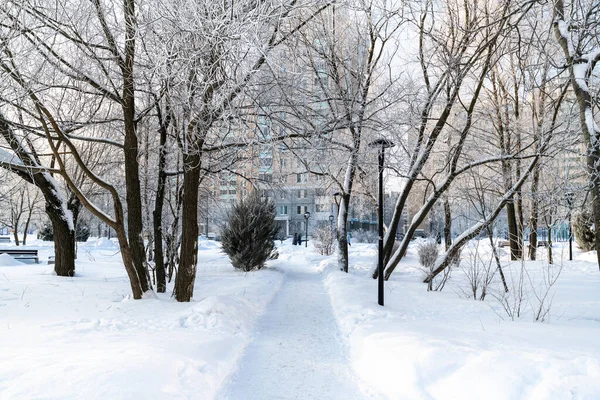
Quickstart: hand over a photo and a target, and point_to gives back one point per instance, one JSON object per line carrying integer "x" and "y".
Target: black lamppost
{"x": 336, "y": 197}
{"x": 306, "y": 217}
{"x": 381, "y": 144}
{"x": 569, "y": 197}
{"x": 331, "y": 218}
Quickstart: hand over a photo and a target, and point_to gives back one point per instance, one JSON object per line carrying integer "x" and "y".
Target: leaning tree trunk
{"x": 186, "y": 274}
{"x": 62, "y": 223}
{"x": 64, "y": 241}
{"x": 474, "y": 231}
{"x": 496, "y": 257}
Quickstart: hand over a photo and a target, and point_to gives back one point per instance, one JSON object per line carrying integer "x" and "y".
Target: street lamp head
{"x": 336, "y": 197}
{"x": 307, "y": 215}
{"x": 383, "y": 143}
{"x": 569, "y": 198}
{"x": 331, "y": 217}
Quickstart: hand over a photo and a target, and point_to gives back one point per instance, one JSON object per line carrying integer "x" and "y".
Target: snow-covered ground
{"x": 441, "y": 345}
{"x": 84, "y": 338}
{"x": 297, "y": 329}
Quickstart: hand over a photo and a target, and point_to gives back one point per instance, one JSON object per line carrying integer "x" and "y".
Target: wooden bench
{"x": 4, "y": 239}
{"x": 22, "y": 254}
{"x": 543, "y": 243}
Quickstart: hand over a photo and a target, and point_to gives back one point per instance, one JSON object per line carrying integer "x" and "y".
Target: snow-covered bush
{"x": 479, "y": 271}
{"x": 531, "y": 292}
{"x": 583, "y": 229}
{"x": 248, "y": 234}
{"x": 324, "y": 238}
{"x": 362, "y": 236}
{"x": 428, "y": 253}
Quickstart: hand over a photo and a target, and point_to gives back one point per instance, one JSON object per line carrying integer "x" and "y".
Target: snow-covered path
{"x": 295, "y": 352}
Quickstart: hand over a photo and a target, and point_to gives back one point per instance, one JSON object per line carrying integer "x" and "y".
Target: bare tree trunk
{"x": 29, "y": 213}
{"x": 342, "y": 233}
{"x": 132, "y": 173}
{"x": 173, "y": 240}
{"x": 16, "y": 235}
{"x": 550, "y": 261}
{"x": 447, "y": 224}
{"x": 580, "y": 84}
{"x": 513, "y": 236}
{"x": 497, "y": 258}
{"x": 186, "y": 274}
{"x": 159, "y": 258}
{"x": 64, "y": 244}
{"x": 62, "y": 224}
{"x": 534, "y": 217}
{"x": 132, "y": 272}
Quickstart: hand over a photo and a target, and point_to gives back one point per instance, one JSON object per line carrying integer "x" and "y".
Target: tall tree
{"x": 577, "y": 30}
{"x": 82, "y": 85}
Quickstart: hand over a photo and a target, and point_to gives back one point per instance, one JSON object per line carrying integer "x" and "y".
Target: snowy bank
{"x": 84, "y": 338}
{"x": 438, "y": 345}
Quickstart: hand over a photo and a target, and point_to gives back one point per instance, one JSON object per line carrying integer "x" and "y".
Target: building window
{"x": 301, "y": 209}
{"x": 284, "y": 162}
{"x": 321, "y": 207}
{"x": 301, "y": 194}
{"x": 265, "y": 177}
{"x": 266, "y": 162}
{"x": 283, "y": 210}
{"x": 301, "y": 178}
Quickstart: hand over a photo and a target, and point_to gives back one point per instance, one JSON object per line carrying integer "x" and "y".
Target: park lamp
{"x": 569, "y": 198}
{"x": 336, "y": 197}
{"x": 306, "y": 217}
{"x": 380, "y": 144}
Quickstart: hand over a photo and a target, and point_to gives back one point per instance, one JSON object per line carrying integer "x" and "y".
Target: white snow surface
{"x": 298, "y": 329}
{"x": 438, "y": 345}
{"x": 8, "y": 261}
{"x": 296, "y": 351}
{"x": 84, "y": 338}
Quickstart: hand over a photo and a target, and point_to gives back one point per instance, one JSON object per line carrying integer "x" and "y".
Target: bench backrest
{"x": 19, "y": 251}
